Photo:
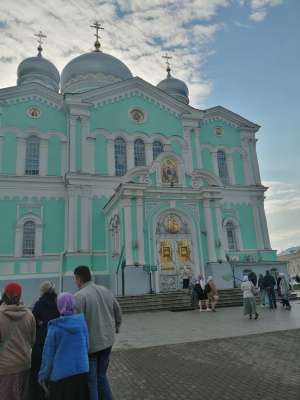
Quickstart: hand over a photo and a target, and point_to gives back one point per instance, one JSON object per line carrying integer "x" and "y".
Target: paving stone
{"x": 255, "y": 367}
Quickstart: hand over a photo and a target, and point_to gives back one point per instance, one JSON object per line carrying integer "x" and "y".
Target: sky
{"x": 241, "y": 54}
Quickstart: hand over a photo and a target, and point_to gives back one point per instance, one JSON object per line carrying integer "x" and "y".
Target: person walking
{"x": 44, "y": 310}
{"x": 103, "y": 316}
{"x": 65, "y": 363}
{"x": 284, "y": 287}
{"x": 17, "y": 336}
{"x": 269, "y": 284}
{"x": 212, "y": 294}
{"x": 262, "y": 292}
{"x": 248, "y": 290}
{"x": 186, "y": 276}
{"x": 201, "y": 293}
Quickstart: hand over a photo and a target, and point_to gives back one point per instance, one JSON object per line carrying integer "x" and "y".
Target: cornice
{"x": 130, "y": 87}
{"x": 219, "y": 112}
{"x": 34, "y": 91}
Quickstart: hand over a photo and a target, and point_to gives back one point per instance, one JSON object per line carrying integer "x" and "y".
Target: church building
{"x": 101, "y": 168}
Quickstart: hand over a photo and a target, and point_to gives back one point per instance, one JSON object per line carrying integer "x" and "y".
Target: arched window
{"x": 157, "y": 148}
{"x": 139, "y": 153}
{"x": 222, "y": 167}
{"x": 120, "y": 157}
{"x": 231, "y": 237}
{"x": 32, "y": 158}
{"x": 28, "y": 239}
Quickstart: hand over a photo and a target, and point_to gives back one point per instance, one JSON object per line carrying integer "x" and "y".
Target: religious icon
{"x": 34, "y": 112}
{"x": 169, "y": 172}
{"x": 172, "y": 223}
{"x": 165, "y": 251}
{"x": 184, "y": 251}
{"x": 137, "y": 115}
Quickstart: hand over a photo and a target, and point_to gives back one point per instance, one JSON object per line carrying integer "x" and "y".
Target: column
{"x": 220, "y": 229}
{"x": 63, "y": 150}
{"x": 230, "y": 168}
{"x": 209, "y": 231}
{"x": 128, "y": 236}
{"x": 257, "y": 225}
{"x": 110, "y": 157}
{"x": 72, "y": 143}
{"x": 43, "y": 167}
{"x": 149, "y": 153}
{"x": 86, "y": 220}
{"x": 246, "y": 167}
{"x": 1, "y": 153}
{"x": 21, "y": 155}
{"x": 264, "y": 224}
{"x": 140, "y": 230}
{"x": 18, "y": 241}
{"x": 255, "y": 162}
{"x": 38, "y": 240}
{"x": 130, "y": 155}
{"x": 188, "y": 157}
{"x": 198, "y": 148}
{"x": 72, "y": 220}
{"x": 87, "y": 147}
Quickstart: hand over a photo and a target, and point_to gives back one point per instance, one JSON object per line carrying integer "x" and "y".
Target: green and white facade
{"x": 65, "y": 200}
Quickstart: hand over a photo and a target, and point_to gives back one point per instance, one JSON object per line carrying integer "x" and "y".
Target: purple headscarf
{"x": 66, "y": 303}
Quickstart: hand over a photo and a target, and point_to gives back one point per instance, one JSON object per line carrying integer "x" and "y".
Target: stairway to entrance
{"x": 177, "y": 300}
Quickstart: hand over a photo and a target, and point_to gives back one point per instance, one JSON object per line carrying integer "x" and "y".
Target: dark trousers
{"x": 99, "y": 387}
{"x": 73, "y": 388}
{"x": 271, "y": 297}
{"x": 185, "y": 283}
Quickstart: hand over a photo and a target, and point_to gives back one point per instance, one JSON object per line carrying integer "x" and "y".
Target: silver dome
{"x": 92, "y": 70}
{"x": 38, "y": 70}
{"x": 175, "y": 88}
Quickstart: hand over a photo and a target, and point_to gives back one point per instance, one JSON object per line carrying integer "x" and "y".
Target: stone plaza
{"x": 188, "y": 355}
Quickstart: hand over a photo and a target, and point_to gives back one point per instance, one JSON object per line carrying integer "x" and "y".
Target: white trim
{"x": 209, "y": 231}
{"x": 126, "y": 203}
{"x": 140, "y": 229}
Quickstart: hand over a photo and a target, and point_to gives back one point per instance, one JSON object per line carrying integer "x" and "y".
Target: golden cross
{"x": 167, "y": 57}
{"x": 97, "y": 26}
{"x": 40, "y": 36}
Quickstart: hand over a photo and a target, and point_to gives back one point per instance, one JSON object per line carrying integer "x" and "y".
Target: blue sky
{"x": 241, "y": 54}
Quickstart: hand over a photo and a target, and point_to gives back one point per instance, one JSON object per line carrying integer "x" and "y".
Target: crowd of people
{"x": 60, "y": 350}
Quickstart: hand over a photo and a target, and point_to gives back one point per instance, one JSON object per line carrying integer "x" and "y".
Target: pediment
{"x": 32, "y": 91}
{"x": 236, "y": 120}
{"x": 130, "y": 87}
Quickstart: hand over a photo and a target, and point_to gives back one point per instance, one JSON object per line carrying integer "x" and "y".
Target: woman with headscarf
{"x": 44, "y": 310}
{"x": 212, "y": 294}
{"x": 285, "y": 291}
{"x": 17, "y": 336}
{"x": 65, "y": 363}
{"x": 248, "y": 290}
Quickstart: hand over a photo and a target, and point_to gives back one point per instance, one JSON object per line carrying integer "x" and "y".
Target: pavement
{"x": 215, "y": 356}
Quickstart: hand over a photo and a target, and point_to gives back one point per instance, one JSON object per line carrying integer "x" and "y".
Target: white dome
{"x": 175, "y": 88}
{"x": 38, "y": 70}
{"x": 92, "y": 70}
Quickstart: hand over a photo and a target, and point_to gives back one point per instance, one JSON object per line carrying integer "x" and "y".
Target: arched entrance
{"x": 174, "y": 249}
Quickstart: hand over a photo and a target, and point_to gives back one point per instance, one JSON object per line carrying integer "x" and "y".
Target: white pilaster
{"x": 209, "y": 231}
{"x": 86, "y": 219}
{"x": 21, "y": 155}
{"x": 255, "y": 162}
{"x": 43, "y": 167}
{"x": 257, "y": 226}
{"x": 128, "y": 236}
{"x": 215, "y": 162}
{"x": 111, "y": 157}
{"x": 198, "y": 148}
{"x": 230, "y": 167}
{"x": 264, "y": 225}
{"x": 1, "y": 153}
{"x": 72, "y": 220}
{"x": 63, "y": 151}
{"x": 149, "y": 153}
{"x": 87, "y": 147}
{"x": 188, "y": 156}
{"x": 72, "y": 141}
{"x": 38, "y": 239}
{"x": 246, "y": 167}
{"x": 220, "y": 229}
{"x": 18, "y": 241}
{"x": 140, "y": 230}
{"x": 130, "y": 155}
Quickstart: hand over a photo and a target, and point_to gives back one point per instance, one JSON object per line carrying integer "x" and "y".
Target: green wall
{"x": 101, "y": 166}
{"x": 98, "y": 228}
{"x": 114, "y": 116}
{"x": 9, "y": 154}
{"x": 230, "y": 138}
{"x": 53, "y": 225}
{"x": 238, "y": 168}
{"x": 54, "y": 156}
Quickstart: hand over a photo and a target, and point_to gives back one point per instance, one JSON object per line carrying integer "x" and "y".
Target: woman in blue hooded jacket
{"x": 65, "y": 362}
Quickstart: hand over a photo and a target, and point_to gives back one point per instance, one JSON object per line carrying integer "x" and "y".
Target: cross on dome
{"x": 40, "y": 37}
{"x": 97, "y": 26}
{"x": 167, "y": 57}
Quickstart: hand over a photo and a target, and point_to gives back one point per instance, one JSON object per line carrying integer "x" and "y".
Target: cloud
{"x": 282, "y": 197}
{"x": 259, "y": 8}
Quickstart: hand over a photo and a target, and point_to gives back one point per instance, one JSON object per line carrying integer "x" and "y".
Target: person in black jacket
{"x": 269, "y": 284}
{"x": 44, "y": 310}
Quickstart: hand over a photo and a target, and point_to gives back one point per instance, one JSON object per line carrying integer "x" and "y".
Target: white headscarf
{"x": 210, "y": 278}
{"x": 245, "y": 278}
